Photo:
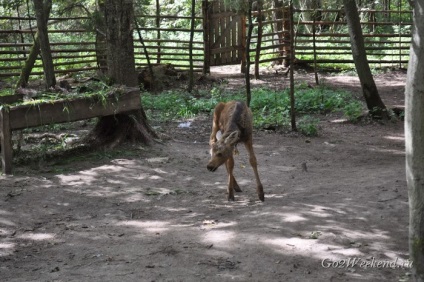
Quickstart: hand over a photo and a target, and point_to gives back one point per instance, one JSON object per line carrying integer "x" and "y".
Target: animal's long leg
{"x": 254, "y": 164}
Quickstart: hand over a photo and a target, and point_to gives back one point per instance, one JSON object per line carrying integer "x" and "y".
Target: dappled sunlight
{"x": 124, "y": 179}
{"x": 6, "y": 249}
{"x": 215, "y": 184}
{"x": 372, "y": 234}
{"x": 104, "y": 169}
{"x": 37, "y": 236}
{"x": 220, "y": 238}
{"x": 391, "y": 151}
{"x": 75, "y": 180}
{"x": 148, "y": 225}
{"x": 211, "y": 224}
{"x": 7, "y": 222}
{"x": 275, "y": 196}
{"x": 299, "y": 246}
{"x": 322, "y": 211}
{"x": 339, "y": 120}
{"x": 162, "y": 211}
{"x": 135, "y": 197}
{"x": 124, "y": 162}
{"x": 155, "y": 177}
{"x": 400, "y": 137}
{"x": 244, "y": 182}
{"x": 89, "y": 176}
{"x": 159, "y": 170}
{"x": 344, "y": 253}
{"x": 3, "y": 212}
{"x": 293, "y": 218}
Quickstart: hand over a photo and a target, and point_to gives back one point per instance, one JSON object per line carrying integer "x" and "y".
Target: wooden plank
{"x": 225, "y": 49}
{"x": 10, "y": 99}
{"x": 26, "y": 116}
{"x": 206, "y": 36}
{"x": 234, "y": 54}
{"x": 217, "y": 57}
{"x": 6, "y": 141}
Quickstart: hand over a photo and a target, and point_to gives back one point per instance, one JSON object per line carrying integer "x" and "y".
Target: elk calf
{"x": 232, "y": 124}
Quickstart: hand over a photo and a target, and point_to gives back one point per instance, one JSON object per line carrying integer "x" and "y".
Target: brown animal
{"x": 232, "y": 123}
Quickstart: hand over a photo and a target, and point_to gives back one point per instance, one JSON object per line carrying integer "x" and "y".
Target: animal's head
{"x": 222, "y": 149}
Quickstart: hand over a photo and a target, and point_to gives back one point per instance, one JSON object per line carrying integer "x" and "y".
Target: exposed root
{"x": 110, "y": 131}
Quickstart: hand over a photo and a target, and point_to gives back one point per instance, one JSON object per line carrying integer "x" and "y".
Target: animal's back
{"x": 236, "y": 115}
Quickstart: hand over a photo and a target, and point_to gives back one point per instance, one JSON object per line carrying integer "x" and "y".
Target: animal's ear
{"x": 232, "y": 138}
{"x": 218, "y": 135}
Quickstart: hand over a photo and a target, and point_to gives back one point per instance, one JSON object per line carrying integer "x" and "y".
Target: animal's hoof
{"x": 262, "y": 197}
{"x": 231, "y": 198}
{"x": 237, "y": 188}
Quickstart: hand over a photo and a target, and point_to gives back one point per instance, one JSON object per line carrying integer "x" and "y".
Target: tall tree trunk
{"x": 111, "y": 131}
{"x": 414, "y": 136}
{"x": 33, "y": 53}
{"x": 101, "y": 41}
{"x": 29, "y": 63}
{"x": 307, "y": 15}
{"x": 120, "y": 51}
{"x": 375, "y": 105}
{"x": 43, "y": 36}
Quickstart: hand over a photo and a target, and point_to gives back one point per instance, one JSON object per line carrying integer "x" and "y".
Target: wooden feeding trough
{"x": 59, "y": 111}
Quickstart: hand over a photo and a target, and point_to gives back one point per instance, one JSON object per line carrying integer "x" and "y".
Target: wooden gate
{"x": 224, "y": 35}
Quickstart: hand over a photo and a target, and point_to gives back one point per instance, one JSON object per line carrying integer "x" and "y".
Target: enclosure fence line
{"x": 321, "y": 35}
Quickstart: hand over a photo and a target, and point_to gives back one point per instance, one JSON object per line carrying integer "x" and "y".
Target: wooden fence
{"x": 323, "y": 40}
{"x": 387, "y": 36}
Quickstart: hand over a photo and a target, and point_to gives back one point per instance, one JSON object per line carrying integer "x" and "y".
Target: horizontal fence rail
{"x": 387, "y": 36}
{"x": 320, "y": 36}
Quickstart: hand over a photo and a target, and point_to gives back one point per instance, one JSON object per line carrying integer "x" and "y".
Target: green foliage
{"x": 174, "y": 104}
{"x": 237, "y": 5}
{"x": 308, "y": 125}
{"x": 353, "y": 110}
{"x": 270, "y": 108}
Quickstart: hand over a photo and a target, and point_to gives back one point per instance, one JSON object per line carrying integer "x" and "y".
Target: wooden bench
{"x": 59, "y": 111}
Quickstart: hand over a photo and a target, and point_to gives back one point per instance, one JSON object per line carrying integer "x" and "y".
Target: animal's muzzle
{"x": 212, "y": 168}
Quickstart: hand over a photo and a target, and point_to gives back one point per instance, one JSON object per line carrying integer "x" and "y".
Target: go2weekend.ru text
{"x": 367, "y": 263}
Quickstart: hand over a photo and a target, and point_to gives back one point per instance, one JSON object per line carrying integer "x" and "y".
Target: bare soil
{"x": 156, "y": 214}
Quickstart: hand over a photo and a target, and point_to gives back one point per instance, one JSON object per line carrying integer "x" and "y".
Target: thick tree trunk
{"x": 120, "y": 51}
{"x": 43, "y": 36}
{"x": 133, "y": 126}
{"x": 29, "y": 63}
{"x": 375, "y": 105}
{"x": 101, "y": 41}
{"x": 414, "y": 145}
{"x": 33, "y": 53}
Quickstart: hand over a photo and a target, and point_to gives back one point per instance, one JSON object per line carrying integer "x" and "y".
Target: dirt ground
{"x": 336, "y": 206}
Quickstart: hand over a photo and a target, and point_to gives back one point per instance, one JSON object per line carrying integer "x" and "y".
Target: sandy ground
{"x": 336, "y": 207}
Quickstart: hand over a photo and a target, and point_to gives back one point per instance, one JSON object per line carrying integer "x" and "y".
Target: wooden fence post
{"x": 5, "y": 141}
{"x": 259, "y": 39}
{"x": 292, "y": 97}
{"x": 243, "y": 43}
{"x": 206, "y": 37}
{"x": 287, "y": 33}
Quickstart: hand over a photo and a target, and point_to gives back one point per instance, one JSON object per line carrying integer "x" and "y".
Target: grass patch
{"x": 270, "y": 108}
